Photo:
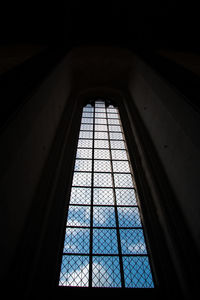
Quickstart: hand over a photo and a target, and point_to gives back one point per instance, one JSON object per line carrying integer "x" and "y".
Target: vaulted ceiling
{"x": 123, "y": 22}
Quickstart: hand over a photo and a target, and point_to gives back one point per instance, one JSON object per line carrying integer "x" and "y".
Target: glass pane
{"x": 100, "y": 115}
{"x": 89, "y": 106}
{"x": 77, "y": 240}
{"x": 81, "y": 179}
{"x": 113, "y": 116}
{"x": 88, "y": 109}
{"x": 101, "y": 135}
{"x": 123, "y": 180}
{"x": 112, "y": 110}
{"x": 137, "y": 272}
{"x": 132, "y": 241}
{"x": 101, "y": 154}
{"x": 86, "y": 134}
{"x": 103, "y": 180}
{"x": 80, "y": 195}
{"x": 87, "y": 115}
{"x": 78, "y": 216}
{"x": 114, "y": 128}
{"x": 100, "y": 121}
{"x": 103, "y": 196}
{"x": 104, "y": 216}
{"x": 99, "y": 127}
{"x": 128, "y": 217}
{"x": 116, "y": 136}
{"x": 102, "y": 166}
{"x": 100, "y": 104}
{"x": 86, "y": 127}
{"x": 74, "y": 271}
{"x": 106, "y": 271}
{"x": 99, "y": 110}
{"x": 125, "y": 197}
{"x": 117, "y": 145}
{"x": 105, "y": 241}
{"x": 84, "y": 153}
{"x": 83, "y": 165}
{"x": 113, "y": 122}
{"x": 101, "y": 144}
{"x": 87, "y": 120}
{"x": 119, "y": 154}
{"x": 84, "y": 143}
{"x": 121, "y": 166}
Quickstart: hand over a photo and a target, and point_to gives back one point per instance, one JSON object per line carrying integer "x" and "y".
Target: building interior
{"x": 53, "y": 58}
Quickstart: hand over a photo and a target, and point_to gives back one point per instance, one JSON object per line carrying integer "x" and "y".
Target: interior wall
{"x": 170, "y": 120}
{"x": 27, "y": 138}
{"x": 173, "y": 126}
{"x": 25, "y": 144}
{"x": 26, "y": 141}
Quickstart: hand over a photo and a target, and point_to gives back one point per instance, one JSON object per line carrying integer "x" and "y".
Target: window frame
{"x": 121, "y": 107}
{"x": 56, "y": 187}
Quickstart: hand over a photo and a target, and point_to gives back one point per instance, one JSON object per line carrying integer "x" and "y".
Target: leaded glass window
{"x": 104, "y": 242}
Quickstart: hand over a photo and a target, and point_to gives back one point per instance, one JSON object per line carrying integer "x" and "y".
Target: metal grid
{"x": 104, "y": 241}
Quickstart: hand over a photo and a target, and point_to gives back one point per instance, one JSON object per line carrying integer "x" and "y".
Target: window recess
{"x": 104, "y": 243}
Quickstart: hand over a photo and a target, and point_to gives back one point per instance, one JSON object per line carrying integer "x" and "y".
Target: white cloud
{"x": 78, "y": 277}
{"x": 101, "y": 277}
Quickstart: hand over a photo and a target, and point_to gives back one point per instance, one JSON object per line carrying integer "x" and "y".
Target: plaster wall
{"x": 173, "y": 126}
{"x": 26, "y": 142}
{"x": 25, "y": 145}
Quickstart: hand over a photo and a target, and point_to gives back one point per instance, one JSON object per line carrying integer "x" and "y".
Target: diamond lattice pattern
{"x": 104, "y": 243}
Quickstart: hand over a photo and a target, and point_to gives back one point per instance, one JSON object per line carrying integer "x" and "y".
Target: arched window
{"x": 104, "y": 243}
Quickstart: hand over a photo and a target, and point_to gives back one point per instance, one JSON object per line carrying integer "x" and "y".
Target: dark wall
{"x": 173, "y": 126}
{"x": 170, "y": 122}
{"x": 15, "y": 54}
{"x": 25, "y": 145}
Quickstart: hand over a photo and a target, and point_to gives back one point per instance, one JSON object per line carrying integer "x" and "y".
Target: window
{"x": 104, "y": 242}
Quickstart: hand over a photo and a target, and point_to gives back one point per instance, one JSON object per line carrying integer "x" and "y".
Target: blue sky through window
{"x": 104, "y": 233}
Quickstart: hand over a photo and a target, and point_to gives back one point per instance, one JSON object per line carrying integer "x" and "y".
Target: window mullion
{"x": 91, "y": 209}
{"x": 116, "y": 215}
